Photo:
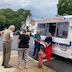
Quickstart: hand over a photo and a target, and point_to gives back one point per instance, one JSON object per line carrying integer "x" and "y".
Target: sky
{"x": 39, "y": 8}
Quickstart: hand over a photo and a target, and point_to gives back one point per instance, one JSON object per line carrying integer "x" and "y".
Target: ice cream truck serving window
{"x": 59, "y": 29}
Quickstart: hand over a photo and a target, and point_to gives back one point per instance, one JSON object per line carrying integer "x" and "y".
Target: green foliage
{"x": 2, "y": 20}
{"x": 27, "y": 13}
{"x": 9, "y": 16}
{"x": 64, "y": 7}
{"x": 17, "y": 22}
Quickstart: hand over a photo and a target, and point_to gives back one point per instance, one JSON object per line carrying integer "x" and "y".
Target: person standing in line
{"x": 37, "y": 39}
{"x": 7, "y": 41}
{"x": 48, "y": 48}
{"x": 23, "y": 48}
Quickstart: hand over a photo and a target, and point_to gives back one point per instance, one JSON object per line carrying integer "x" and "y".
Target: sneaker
{"x": 7, "y": 66}
{"x": 2, "y": 64}
{"x": 19, "y": 66}
{"x": 26, "y": 67}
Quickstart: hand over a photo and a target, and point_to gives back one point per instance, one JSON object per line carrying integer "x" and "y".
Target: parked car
{"x": 17, "y": 32}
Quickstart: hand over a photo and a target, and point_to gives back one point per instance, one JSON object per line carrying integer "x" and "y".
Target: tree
{"x": 17, "y": 23}
{"x": 2, "y": 12}
{"x": 64, "y": 7}
{"x": 27, "y": 13}
{"x": 9, "y": 16}
{"x": 3, "y": 21}
{"x": 21, "y": 17}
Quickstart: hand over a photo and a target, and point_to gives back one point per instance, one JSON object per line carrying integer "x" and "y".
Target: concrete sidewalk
{"x": 14, "y": 62}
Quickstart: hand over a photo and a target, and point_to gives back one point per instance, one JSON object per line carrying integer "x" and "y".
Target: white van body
{"x": 61, "y": 30}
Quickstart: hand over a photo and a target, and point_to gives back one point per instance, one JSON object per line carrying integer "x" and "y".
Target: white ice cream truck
{"x": 61, "y": 30}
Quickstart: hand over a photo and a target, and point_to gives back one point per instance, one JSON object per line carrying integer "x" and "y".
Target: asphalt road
{"x": 58, "y": 64}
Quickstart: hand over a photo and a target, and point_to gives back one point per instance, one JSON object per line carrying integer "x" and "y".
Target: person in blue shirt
{"x": 37, "y": 39}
